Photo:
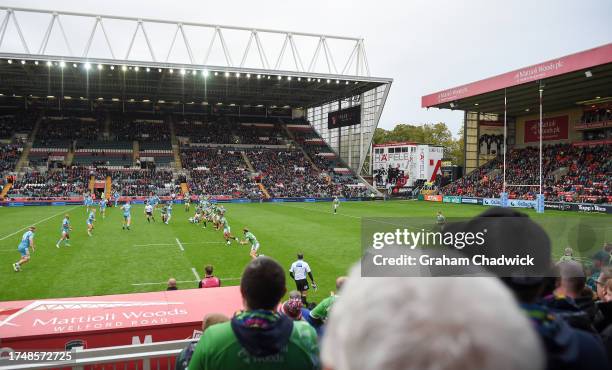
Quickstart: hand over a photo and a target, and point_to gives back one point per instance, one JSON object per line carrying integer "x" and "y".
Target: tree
{"x": 432, "y": 134}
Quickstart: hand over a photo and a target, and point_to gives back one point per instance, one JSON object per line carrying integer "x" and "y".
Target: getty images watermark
{"x": 505, "y": 246}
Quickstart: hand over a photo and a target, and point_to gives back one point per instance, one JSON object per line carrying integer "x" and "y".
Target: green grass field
{"x": 117, "y": 261}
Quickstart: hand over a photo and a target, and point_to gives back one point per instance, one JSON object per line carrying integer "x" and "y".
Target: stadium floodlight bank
{"x": 43, "y": 57}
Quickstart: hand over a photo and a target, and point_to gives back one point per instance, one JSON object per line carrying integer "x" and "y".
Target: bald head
{"x": 172, "y": 283}
{"x": 339, "y": 282}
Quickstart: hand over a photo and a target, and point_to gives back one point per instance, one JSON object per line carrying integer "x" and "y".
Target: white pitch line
{"x": 153, "y": 245}
{"x": 180, "y": 245}
{"x": 36, "y": 223}
{"x": 195, "y": 273}
{"x": 185, "y": 281}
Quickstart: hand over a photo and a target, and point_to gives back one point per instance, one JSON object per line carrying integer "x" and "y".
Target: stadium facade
{"x": 57, "y": 60}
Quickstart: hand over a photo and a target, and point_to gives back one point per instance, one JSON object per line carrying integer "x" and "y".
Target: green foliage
{"x": 433, "y": 134}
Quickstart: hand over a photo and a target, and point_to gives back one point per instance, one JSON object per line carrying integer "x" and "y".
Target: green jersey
{"x": 219, "y": 349}
{"x": 321, "y": 311}
{"x": 251, "y": 238}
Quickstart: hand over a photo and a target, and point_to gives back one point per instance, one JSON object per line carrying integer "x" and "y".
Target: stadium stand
{"x": 216, "y": 154}
{"x": 571, "y": 173}
{"x": 218, "y": 172}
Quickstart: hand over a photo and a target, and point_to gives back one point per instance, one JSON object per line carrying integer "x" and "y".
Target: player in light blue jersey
{"x": 127, "y": 216}
{"x": 65, "y": 232}
{"x": 90, "y": 221}
{"x": 116, "y": 196}
{"x": 27, "y": 242}
{"x": 88, "y": 201}
{"x": 103, "y": 203}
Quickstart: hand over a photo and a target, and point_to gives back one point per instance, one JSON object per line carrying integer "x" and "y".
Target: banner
{"x": 433, "y": 198}
{"x": 521, "y": 203}
{"x": 470, "y": 200}
{"x": 345, "y": 117}
{"x": 491, "y": 202}
{"x": 553, "y": 128}
{"x": 451, "y": 199}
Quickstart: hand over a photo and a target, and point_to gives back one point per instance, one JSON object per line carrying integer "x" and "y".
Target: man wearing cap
{"x": 27, "y": 242}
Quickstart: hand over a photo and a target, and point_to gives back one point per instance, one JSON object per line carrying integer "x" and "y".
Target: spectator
{"x": 182, "y": 361}
{"x": 428, "y": 323}
{"x": 209, "y": 281}
{"x": 601, "y": 259}
{"x": 319, "y": 314}
{"x": 172, "y": 284}
{"x": 259, "y": 337}
{"x": 604, "y": 276}
{"x": 213, "y": 319}
{"x": 290, "y": 308}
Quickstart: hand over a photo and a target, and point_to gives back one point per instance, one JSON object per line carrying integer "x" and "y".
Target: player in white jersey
{"x": 65, "y": 232}
{"x": 336, "y": 204}
{"x": 27, "y": 242}
{"x": 298, "y": 271}
{"x": 148, "y": 210}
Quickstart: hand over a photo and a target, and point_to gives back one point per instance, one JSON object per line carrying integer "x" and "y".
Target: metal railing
{"x": 147, "y": 356}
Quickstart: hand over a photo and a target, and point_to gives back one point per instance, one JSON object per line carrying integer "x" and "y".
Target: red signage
{"x": 570, "y": 63}
{"x": 113, "y": 320}
{"x": 553, "y": 128}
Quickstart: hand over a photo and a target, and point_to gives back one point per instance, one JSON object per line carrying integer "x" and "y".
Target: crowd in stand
{"x": 219, "y": 173}
{"x": 53, "y": 183}
{"x": 586, "y": 178}
{"x": 141, "y": 182}
{"x": 9, "y": 155}
{"x": 596, "y": 115}
{"x": 227, "y": 131}
{"x": 53, "y": 132}
{"x": 125, "y": 129}
{"x": 289, "y": 174}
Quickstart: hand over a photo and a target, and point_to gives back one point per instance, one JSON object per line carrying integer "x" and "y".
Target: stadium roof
{"x": 173, "y": 82}
{"x": 67, "y": 62}
{"x": 582, "y": 78}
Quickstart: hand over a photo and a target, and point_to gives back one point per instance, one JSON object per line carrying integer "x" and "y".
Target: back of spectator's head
{"x": 294, "y": 294}
{"x": 340, "y": 282}
{"x": 571, "y": 277}
{"x": 292, "y": 308}
{"x": 211, "y": 319}
{"x": 172, "y": 283}
{"x": 601, "y": 259}
{"x": 262, "y": 284}
{"x": 429, "y": 323}
{"x": 208, "y": 269}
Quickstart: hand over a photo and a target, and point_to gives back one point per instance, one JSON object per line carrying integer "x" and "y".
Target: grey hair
{"x": 431, "y": 323}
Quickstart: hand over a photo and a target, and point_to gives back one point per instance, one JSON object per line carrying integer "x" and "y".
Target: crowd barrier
{"x": 520, "y": 203}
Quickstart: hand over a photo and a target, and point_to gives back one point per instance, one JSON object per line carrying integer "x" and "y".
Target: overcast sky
{"x": 424, "y": 45}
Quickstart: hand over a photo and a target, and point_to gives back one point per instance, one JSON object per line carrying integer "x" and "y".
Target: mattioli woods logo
{"x": 452, "y": 94}
{"x": 537, "y": 72}
{"x": 69, "y": 316}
